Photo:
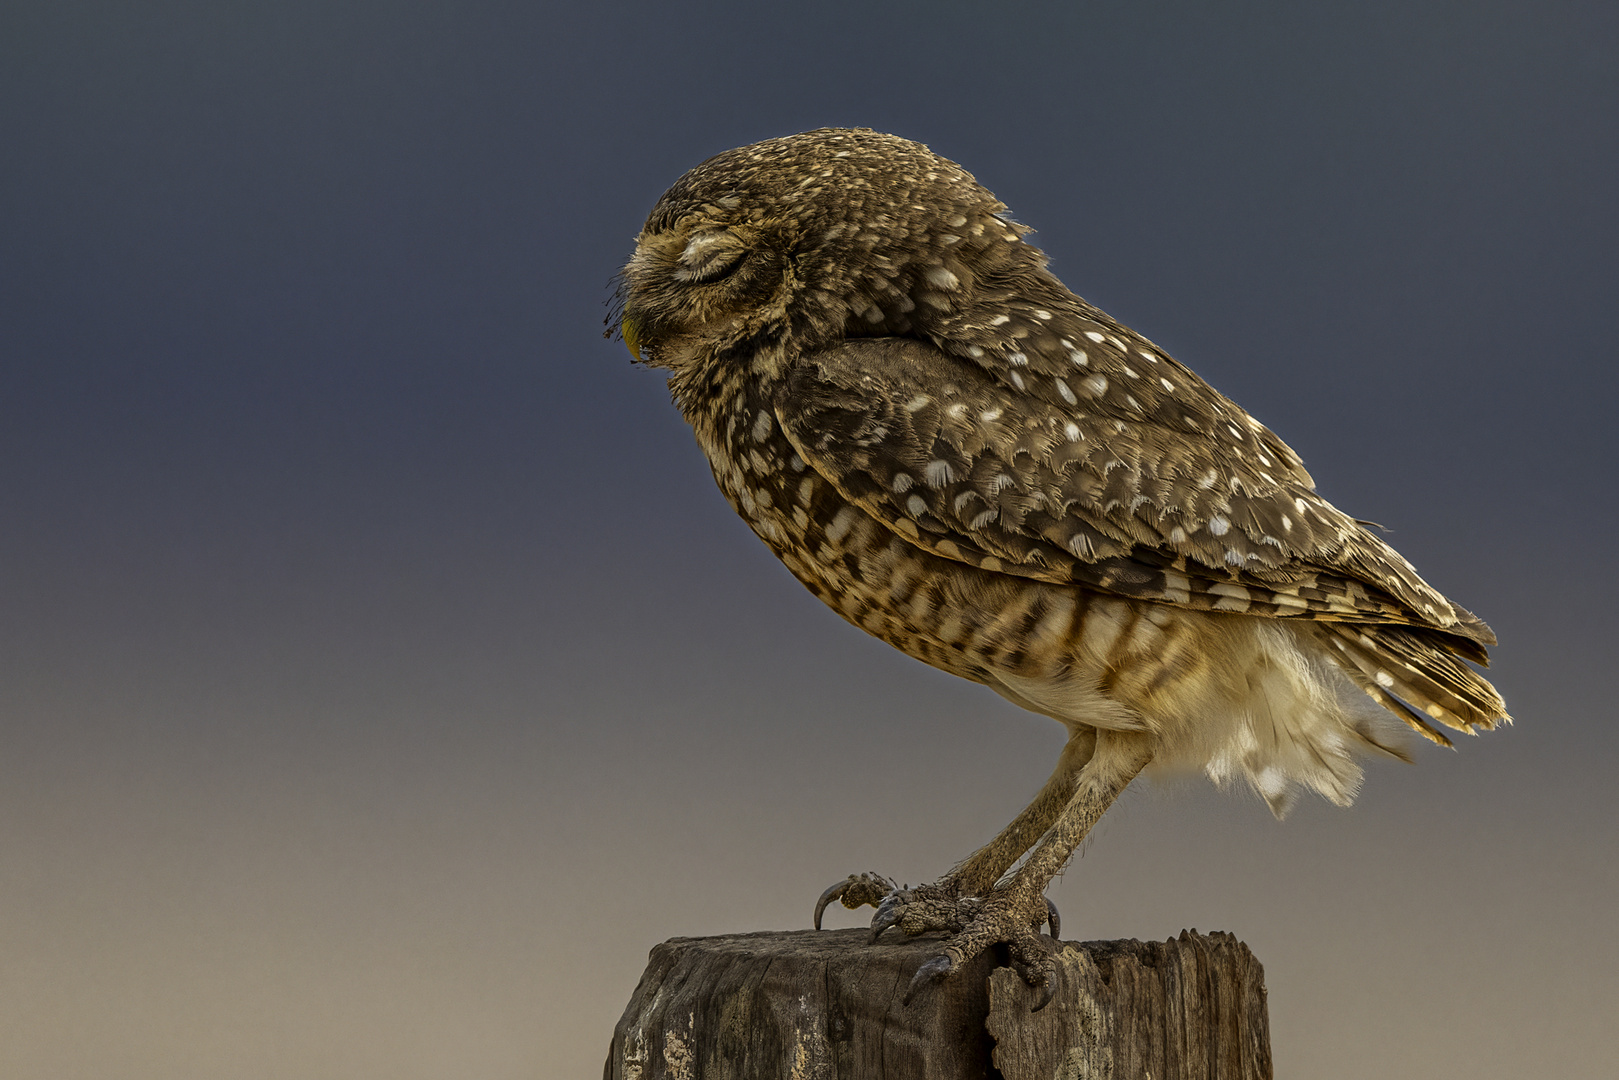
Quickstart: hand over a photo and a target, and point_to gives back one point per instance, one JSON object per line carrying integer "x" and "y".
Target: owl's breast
{"x": 941, "y": 612}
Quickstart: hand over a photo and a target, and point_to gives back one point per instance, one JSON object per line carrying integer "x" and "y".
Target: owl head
{"x": 813, "y": 238}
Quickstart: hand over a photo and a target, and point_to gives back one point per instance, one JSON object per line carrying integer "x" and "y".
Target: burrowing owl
{"x": 973, "y": 464}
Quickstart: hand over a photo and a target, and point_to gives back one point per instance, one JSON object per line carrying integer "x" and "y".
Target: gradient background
{"x": 384, "y": 674}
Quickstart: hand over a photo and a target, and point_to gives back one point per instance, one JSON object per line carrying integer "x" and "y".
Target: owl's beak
{"x": 630, "y": 330}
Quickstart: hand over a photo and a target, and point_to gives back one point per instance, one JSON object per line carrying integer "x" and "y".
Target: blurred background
{"x": 384, "y": 674}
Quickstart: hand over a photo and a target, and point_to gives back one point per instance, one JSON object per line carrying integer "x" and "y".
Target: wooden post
{"x": 825, "y": 1005}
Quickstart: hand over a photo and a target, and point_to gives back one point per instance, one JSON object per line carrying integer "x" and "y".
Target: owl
{"x": 965, "y": 459}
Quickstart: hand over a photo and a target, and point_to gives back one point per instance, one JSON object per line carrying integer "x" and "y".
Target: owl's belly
{"x": 1232, "y": 695}
{"x": 990, "y": 627}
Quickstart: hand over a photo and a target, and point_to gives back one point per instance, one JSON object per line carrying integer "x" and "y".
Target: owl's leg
{"x": 977, "y": 873}
{"x": 1014, "y": 908}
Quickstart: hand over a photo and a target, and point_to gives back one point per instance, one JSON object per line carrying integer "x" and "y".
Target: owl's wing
{"x": 1051, "y": 478}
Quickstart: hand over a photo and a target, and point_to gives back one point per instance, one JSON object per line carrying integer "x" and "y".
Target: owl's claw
{"x": 1048, "y": 990}
{"x": 1036, "y": 962}
{"x": 854, "y": 891}
{"x": 934, "y": 970}
{"x": 977, "y": 923}
{"x": 889, "y": 912}
{"x": 924, "y": 908}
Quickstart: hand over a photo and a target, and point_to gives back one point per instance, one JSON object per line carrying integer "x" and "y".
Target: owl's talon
{"x": 924, "y": 908}
{"x": 856, "y": 890}
{"x": 1053, "y": 920}
{"x": 889, "y": 912}
{"x": 1037, "y": 964}
{"x": 934, "y": 970}
{"x": 1048, "y": 990}
{"x": 977, "y": 922}
{"x": 831, "y": 894}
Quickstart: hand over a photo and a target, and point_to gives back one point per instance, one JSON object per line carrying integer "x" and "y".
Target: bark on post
{"x": 824, "y": 1005}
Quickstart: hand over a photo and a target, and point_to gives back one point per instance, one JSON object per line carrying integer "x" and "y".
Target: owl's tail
{"x": 1397, "y": 665}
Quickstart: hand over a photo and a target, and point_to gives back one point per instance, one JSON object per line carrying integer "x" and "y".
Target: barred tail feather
{"x": 1396, "y": 665}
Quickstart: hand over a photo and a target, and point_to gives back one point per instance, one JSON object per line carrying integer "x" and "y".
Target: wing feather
{"x": 1133, "y": 494}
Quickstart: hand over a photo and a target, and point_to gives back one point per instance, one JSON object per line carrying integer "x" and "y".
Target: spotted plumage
{"x": 962, "y": 457}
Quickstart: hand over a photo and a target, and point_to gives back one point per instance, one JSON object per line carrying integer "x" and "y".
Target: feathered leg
{"x": 1017, "y": 904}
{"x": 975, "y": 875}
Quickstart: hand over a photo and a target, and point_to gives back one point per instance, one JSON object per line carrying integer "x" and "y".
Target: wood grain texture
{"x": 1192, "y": 1006}
{"x": 808, "y": 1005}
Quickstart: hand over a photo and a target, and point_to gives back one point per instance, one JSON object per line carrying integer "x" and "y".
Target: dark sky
{"x": 385, "y": 675}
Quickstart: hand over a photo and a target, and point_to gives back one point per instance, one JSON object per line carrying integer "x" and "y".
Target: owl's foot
{"x": 930, "y": 904}
{"x": 976, "y": 921}
{"x": 1004, "y": 917}
{"x": 929, "y": 907}
{"x": 856, "y": 890}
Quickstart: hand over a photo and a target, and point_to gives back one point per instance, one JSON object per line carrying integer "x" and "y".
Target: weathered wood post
{"x": 824, "y": 1005}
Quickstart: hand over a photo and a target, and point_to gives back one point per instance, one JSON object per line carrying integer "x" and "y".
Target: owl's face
{"x": 712, "y": 276}
{"x": 810, "y": 239}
